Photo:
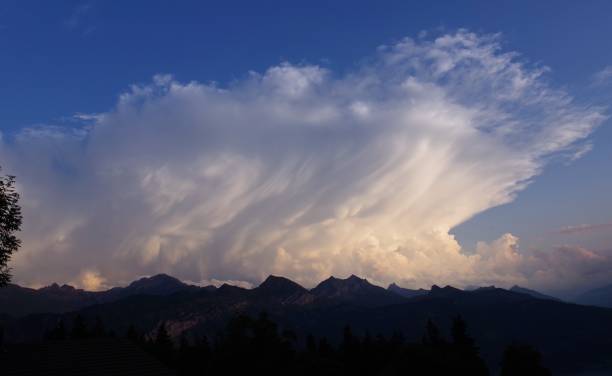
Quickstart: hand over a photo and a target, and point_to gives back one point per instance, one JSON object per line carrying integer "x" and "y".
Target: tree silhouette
{"x": 162, "y": 337}
{"x": 162, "y": 345}
{"x": 98, "y": 330}
{"x": 325, "y": 349}
{"x": 133, "y": 335}
{"x": 520, "y": 359}
{"x": 432, "y": 335}
{"x": 261, "y": 346}
{"x": 58, "y": 332}
{"x": 10, "y": 222}
{"x": 460, "y": 337}
{"x": 79, "y": 329}
{"x": 465, "y": 352}
{"x": 311, "y": 344}
{"x": 349, "y": 342}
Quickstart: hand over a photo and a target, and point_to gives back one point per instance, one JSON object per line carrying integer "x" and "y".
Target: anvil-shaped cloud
{"x": 299, "y": 172}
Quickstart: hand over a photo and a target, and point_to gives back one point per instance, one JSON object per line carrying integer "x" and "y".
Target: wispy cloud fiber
{"x": 578, "y": 229}
{"x": 299, "y": 172}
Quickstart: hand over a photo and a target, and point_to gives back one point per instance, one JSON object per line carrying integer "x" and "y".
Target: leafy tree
{"x": 10, "y": 222}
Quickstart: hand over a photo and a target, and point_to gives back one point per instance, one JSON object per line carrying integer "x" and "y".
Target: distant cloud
{"x": 91, "y": 280}
{"x": 584, "y": 228}
{"x": 87, "y": 117}
{"x": 562, "y": 268}
{"x": 603, "y": 77}
{"x": 76, "y": 19}
{"x": 300, "y": 172}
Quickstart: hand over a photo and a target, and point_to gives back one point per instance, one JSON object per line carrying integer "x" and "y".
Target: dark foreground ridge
{"x": 99, "y": 355}
{"x": 571, "y": 338}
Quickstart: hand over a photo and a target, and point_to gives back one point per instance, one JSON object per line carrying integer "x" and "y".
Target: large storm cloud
{"x": 300, "y": 172}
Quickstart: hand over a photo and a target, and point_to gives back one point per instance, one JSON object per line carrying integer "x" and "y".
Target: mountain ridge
{"x": 496, "y": 316}
{"x": 601, "y": 297}
{"x": 18, "y": 301}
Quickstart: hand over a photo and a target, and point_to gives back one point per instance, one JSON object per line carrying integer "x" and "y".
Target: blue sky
{"x": 69, "y": 57}
{"x": 72, "y": 56}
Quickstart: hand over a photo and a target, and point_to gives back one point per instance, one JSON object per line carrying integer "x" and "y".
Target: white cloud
{"x": 603, "y": 77}
{"x": 299, "y": 172}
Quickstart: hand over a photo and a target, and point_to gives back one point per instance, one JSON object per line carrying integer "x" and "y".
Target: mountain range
{"x": 572, "y": 337}
{"x": 598, "y": 297}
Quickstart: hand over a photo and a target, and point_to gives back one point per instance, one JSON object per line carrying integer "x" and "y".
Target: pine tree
{"x": 432, "y": 335}
{"x": 461, "y": 339}
{"x": 465, "y": 352}
{"x": 58, "y": 332}
{"x": 133, "y": 335}
{"x": 79, "y": 329}
{"x": 522, "y": 360}
{"x": 98, "y": 330}
{"x": 311, "y": 345}
{"x": 162, "y": 345}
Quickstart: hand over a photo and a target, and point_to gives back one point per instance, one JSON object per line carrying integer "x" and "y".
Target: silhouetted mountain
{"x": 406, "y": 293}
{"x": 474, "y": 288}
{"x": 280, "y": 286}
{"x": 160, "y": 284}
{"x": 19, "y": 301}
{"x": 533, "y": 293}
{"x": 571, "y": 337}
{"x": 601, "y": 297}
{"x": 444, "y": 292}
{"x": 231, "y": 290}
{"x": 283, "y": 290}
{"x": 354, "y": 290}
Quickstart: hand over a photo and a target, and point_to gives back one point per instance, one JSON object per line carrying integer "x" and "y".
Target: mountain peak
{"x": 406, "y": 293}
{"x": 161, "y": 277}
{"x": 275, "y": 284}
{"x": 332, "y": 283}
{"x": 54, "y": 287}
{"x": 282, "y": 290}
{"x": 159, "y": 284}
{"x": 444, "y": 291}
{"x": 354, "y": 289}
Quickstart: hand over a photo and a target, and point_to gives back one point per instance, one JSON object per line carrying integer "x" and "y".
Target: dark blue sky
{"x": 65, "y": 57}
{"x": 68, "y": 56}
